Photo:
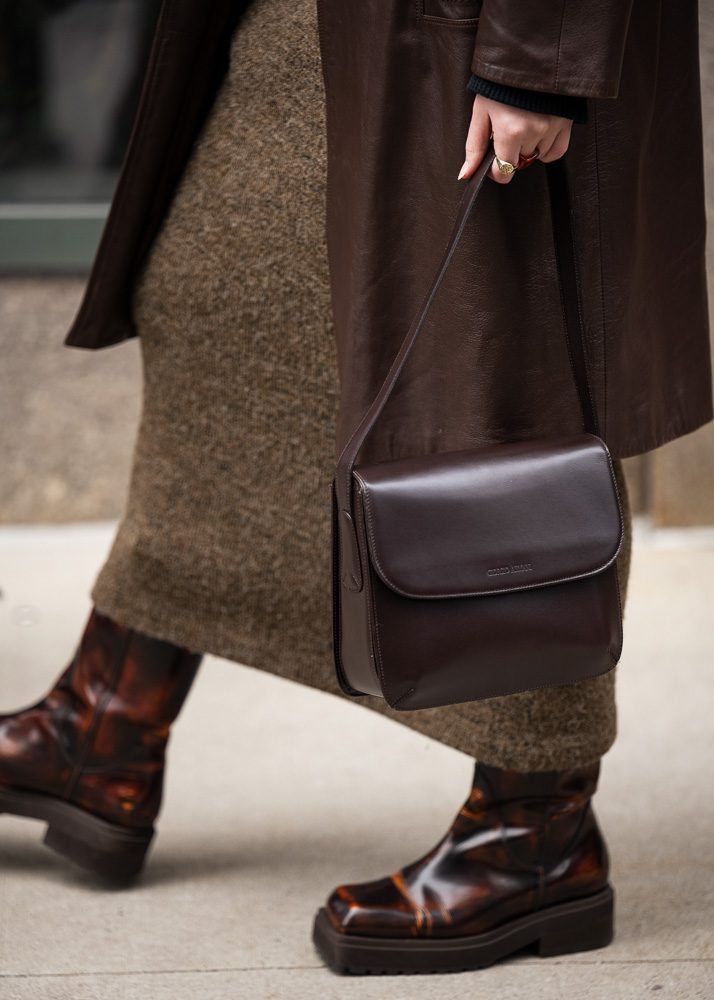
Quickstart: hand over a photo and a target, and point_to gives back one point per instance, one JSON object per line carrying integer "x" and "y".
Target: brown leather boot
{"x": 89, "y": 758}
{"x": 523, "y": 865}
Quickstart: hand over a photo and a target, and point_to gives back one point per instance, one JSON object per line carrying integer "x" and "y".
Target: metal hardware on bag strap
{"x": 561, "y": 212}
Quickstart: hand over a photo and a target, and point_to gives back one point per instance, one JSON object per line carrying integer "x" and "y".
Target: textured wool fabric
{"x": 225, "y": 544}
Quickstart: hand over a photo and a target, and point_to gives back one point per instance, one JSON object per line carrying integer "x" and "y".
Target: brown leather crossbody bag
{"x": 466, "y": 575}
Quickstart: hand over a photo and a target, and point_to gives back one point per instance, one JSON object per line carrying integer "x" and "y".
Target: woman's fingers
{"x": 515, "y": 132}
{"x": 558, "y": 144}
{"x": 477, "y": 139}
{"x": 507, "y": 146}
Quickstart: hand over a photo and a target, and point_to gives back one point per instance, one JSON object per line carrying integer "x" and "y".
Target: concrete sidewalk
{"x": 276, "y": 793}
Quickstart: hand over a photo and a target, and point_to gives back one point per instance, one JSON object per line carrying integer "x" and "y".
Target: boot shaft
{"x": 98, "y": 738}
{"x": 123, "y": 690}
{"x": 546, "y": 822}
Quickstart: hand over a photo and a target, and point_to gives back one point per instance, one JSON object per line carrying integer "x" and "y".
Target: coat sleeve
{"x": 560, "y": 46}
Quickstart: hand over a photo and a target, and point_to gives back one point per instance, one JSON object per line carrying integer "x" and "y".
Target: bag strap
{"x": 563, "y": 236}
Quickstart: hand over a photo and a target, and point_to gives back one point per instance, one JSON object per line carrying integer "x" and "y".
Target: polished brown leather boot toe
{"x": 89, "y": 758}
{"x": 524, "y": 865}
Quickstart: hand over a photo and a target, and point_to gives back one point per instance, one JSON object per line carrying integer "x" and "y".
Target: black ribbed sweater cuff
{"x": 564, "y": 105}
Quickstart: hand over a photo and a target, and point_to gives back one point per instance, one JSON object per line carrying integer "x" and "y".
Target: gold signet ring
{"x": 504, "y": 166}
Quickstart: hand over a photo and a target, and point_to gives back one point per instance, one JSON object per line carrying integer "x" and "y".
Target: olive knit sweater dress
{"x": 233, "y": 312}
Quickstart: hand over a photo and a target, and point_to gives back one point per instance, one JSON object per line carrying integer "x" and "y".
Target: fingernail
{"x": 463, "y": 170}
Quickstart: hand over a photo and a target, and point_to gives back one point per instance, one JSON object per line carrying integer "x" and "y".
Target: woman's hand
{"x": 515, "y": 132}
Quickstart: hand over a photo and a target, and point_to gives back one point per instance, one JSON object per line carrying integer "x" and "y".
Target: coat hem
{"x": 80, "y": 334}
{"x": 677, "y": 429}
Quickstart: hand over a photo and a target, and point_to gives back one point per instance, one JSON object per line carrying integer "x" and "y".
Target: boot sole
{"x": 580, "y": 925}
{"x": 106, "y": 849}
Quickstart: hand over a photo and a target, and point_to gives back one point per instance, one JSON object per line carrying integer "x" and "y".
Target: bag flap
{"x": 508, "y": 517}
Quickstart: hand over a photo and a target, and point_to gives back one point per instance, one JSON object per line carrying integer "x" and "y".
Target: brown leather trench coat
{"x": 493, "y": 363}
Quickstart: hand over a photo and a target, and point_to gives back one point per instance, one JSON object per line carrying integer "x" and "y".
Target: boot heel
{"x": 589, "y": 924}
{"x": 104, "y": 850}
{"x": 107, "y": 849}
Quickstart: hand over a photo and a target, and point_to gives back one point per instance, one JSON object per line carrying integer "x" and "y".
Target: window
{"x": 70, "y": 78}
